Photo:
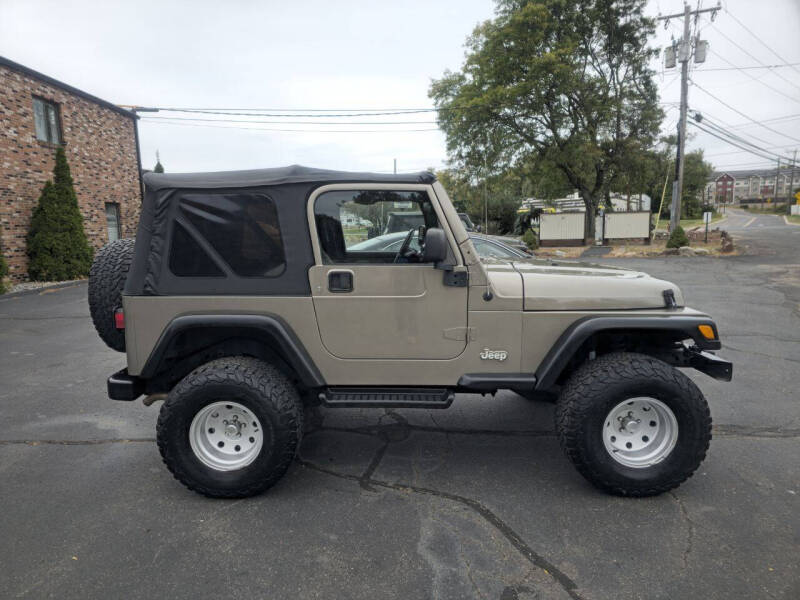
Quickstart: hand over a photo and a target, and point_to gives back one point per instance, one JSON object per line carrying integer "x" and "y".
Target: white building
{"x": 574, "y": 203}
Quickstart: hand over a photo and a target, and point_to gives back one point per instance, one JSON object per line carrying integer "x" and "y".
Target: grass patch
{"x": 691, "y": 223}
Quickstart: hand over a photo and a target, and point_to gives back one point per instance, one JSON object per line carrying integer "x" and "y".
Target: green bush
{"x": 3, "y": 272}
{"x": 677, "y": 238}
{"x": 530, "y": 239}
{"x": 57, "y": 246}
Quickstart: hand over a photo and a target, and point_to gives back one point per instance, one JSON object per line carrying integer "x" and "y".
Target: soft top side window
{"x": 373, "y": 226}
{"x": 239, "y": 231}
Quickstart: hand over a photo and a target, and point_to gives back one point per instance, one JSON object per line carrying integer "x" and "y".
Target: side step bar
{"x": 387, "y": 397}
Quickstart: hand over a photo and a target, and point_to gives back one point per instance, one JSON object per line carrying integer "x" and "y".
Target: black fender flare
{"x": 576, "y": 334}
{"x": 270, "y": 329}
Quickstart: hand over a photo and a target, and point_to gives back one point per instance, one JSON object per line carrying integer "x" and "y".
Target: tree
{"x": 501, "y": 197}
{"x": 563, "y": 81}
{"x": 458, "y": 187}
{"x": 677, "y": 238}
{"x": 696, "y": 173}
{"x": 57, "y": 244}
{"x": 3, "y": 271}
{"x": 159, "y": 168}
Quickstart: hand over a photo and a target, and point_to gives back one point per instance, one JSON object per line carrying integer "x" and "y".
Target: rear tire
{"x": 231, "y": 428}
{"x": 106, "y": 280}
{"x": 633, "y": 425}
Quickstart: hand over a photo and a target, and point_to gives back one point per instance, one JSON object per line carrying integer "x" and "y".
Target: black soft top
{"x": 204, "y": 213}
{"x": 276, "y": 176}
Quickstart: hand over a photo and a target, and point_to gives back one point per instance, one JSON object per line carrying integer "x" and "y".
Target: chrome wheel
{"x": 640, "y": 432}
{"x": 225, "y": 436}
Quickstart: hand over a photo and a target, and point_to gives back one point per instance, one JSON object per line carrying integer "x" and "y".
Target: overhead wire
{"x": 751, "y": 55}
{"x": 748, "y": 68}
{"x": 761, "y": 41}
{"x": 705, "y": 91}
{"x": 738, "y": 139}
{"x": 167, "y": 121}
{"x": 297, "y": 122}
{"x": 728, "y": 141}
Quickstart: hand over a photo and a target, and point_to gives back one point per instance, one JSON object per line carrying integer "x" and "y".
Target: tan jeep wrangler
{"x": 242, "y": 299}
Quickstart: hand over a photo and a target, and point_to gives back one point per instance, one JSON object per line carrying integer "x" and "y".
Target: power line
{"x": 755, "y": 58}
{"x": 273, "y": 113}
{"x": 728, "y": 125}
{"x": 308, "y": 113}
{"x": 793, "y": 117}
{"x": 168, "y": 122}
{"x": 298, "y": 122}
{"x": 738, "y": 139}
{"x": 769, "y": 166}
{"x": 702, "y": 89}
{"x": 756, "y": 79}
{"x": 299, "y": 110}
{"x": 740, "y": 151}
{"x": 746, "y": 68}
{"x": 760, "y": 41}
{"x": 732, "y": 143}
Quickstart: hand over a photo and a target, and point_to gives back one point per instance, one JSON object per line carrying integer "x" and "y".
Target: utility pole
{"x": 777, "y": 174}
{"x": 395, "y": 166}
{"x": 684, "y": 53}
{"x": 790, "y": 199}
{"x": 485, "y": 196}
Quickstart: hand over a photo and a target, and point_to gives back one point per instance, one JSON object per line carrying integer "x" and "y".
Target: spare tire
{"x": 106, "y": 280}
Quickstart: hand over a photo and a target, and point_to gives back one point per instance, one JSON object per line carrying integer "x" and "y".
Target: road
{"x": 473, "y": 502}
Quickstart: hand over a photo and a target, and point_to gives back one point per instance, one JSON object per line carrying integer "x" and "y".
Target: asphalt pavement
{"x": 473, "y": 502}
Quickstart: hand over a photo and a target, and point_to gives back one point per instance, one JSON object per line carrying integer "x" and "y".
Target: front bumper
{"x": 122, "y": 386}
{"x": 712, "y": 365}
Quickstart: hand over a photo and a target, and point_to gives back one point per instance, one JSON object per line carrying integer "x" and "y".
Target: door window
{"x": 373, "y": 226}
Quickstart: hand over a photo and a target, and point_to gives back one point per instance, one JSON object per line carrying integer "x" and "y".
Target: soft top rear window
{"x": 238, "y": 232}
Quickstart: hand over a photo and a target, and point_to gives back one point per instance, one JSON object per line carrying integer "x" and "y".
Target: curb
{"x": 39, "y": 290}
{"x": 788, "y": 222}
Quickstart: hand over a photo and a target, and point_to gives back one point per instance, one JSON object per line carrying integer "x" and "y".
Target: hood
{"x": 564, "y": 285}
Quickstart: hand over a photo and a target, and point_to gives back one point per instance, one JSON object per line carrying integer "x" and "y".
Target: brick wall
{"x": 101, "y": 151}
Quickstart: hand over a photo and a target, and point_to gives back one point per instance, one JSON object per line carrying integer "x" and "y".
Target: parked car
{"x": 486, "y": 246}
{"x": 405, "y": 220}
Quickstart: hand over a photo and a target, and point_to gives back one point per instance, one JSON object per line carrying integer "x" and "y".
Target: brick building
{"x": 753, "y": 185}
{"x": 38, "y": 113}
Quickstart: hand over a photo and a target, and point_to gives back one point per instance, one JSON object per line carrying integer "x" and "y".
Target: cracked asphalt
{"x": 473, "y": 502}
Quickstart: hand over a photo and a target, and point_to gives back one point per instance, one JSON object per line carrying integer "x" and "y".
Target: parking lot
{"x": 475, "y": 501}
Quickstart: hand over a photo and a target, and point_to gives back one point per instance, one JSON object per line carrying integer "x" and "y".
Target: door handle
{"x": 340, "y": 281}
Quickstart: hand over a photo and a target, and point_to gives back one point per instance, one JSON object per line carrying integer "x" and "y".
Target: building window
{"x": 112, "y": 221}
{"x": 45, "y": 118}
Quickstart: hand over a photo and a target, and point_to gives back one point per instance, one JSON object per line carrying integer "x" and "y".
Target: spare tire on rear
{"x": 106, "y": 280}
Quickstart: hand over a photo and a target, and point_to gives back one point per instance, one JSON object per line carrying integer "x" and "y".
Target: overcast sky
{"x": 354, "y": 55}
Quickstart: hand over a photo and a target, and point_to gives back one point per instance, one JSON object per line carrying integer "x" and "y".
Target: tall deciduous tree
{"x": 561, "y": 81}
{"x": 57, "y": 244}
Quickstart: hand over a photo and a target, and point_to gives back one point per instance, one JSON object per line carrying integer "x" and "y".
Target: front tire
{"x": 231, "y": 428}
{"x": 633, "y": 425}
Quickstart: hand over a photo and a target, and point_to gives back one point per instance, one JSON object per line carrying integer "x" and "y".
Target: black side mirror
{"x": 435, "y": 246}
